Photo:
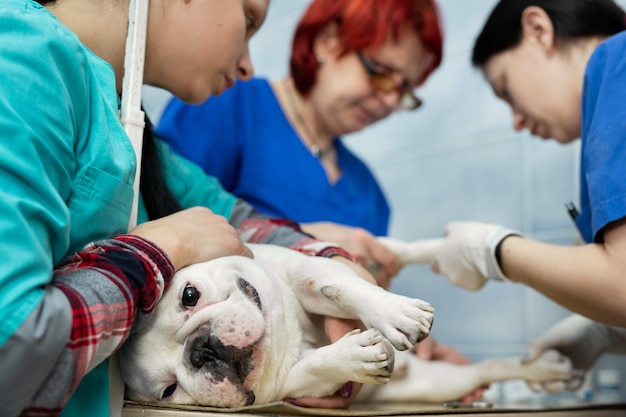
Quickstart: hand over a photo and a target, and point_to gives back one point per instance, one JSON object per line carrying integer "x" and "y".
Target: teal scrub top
{"x": 66, "y": 167}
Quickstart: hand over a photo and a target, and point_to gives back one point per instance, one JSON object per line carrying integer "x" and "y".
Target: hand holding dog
{"x": 431, "y": 350}
{"x": 582, "y": 340}
{"x": 192, "y": 236}
{"x": 382, "y": 263}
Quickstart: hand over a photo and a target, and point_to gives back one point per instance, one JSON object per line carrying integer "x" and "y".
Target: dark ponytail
{"x": 157, "y": 197}
{"x": 571, "y": 19}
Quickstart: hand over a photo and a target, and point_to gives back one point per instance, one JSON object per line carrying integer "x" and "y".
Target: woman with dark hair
{"x": 73, "y": 279}
{"x": 561, "y": 67}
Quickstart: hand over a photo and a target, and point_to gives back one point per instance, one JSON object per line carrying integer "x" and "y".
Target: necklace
{"x": 315, "y": 149}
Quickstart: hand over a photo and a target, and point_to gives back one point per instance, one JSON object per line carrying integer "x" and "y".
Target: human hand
{"x": 382, "y": 263}
{"x": 579, "y": 338}
{"x": 335, "y": 329}
{"x": 582, "y": 340}
{"x": 467, "y": 254}
{"x": 193, "y": 235}
{"x": 431, "y": 350}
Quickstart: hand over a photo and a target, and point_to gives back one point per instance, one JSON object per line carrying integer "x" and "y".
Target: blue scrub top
{"x": 243, "y": 138}
{"x": 603, "y": 152}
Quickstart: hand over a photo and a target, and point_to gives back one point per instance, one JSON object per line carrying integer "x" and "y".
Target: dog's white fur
{"x": 236, "y": 331}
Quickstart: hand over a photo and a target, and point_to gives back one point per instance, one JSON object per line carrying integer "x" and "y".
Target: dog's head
{"x": 205, "y": 343}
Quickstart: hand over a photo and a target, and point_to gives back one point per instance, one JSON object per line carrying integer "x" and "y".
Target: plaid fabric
{"x": 287, "y": 233}
{"x": 106, "y": 284}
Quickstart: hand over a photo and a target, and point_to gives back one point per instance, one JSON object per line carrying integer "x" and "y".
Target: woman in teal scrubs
{"x": 66, "y": 176}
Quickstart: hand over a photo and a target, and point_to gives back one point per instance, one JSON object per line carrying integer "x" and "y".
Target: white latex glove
{"x": 582, "y": 340}
{"x": 467, "y": 254}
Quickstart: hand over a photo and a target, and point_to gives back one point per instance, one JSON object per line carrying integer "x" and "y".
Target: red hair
{"x": 361, "y": 24}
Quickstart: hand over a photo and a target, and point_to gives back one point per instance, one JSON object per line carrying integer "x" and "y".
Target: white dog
{"x": 235, "y": 331}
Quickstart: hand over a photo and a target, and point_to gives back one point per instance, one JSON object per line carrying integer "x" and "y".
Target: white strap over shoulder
{"x": 132, "y": 118}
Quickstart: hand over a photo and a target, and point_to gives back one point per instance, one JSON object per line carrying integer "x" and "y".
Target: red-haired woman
{"x": 277, "y": 144}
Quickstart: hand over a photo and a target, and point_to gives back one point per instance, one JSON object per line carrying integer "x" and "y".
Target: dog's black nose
{"x": 208, "y": 353}
{"x": 201, "y": 353}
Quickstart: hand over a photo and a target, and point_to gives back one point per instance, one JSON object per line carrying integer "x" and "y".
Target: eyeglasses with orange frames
{"x": 384, "y": 82}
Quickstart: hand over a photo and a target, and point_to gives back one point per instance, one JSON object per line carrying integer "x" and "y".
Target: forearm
{"x": 85, "y": 314}
{"x": 255, "y": 227}
{"x": 589, "y": 279}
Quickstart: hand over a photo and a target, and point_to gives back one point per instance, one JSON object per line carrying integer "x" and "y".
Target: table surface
{"x": 132, "y": 409}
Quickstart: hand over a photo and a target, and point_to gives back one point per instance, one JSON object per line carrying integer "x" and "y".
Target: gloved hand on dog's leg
{"x": 467, "y": 254}
{"x": 583, "y": 341}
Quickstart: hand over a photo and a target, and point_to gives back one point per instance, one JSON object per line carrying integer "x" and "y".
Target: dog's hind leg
{"x": 434, "y": 381}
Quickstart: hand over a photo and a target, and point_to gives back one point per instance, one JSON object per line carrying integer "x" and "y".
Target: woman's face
{"x": 343, "y": 95}
{"x": 540, "y": 93}
{"x": 199, "y": 48}
{"x": 540, "y": 82}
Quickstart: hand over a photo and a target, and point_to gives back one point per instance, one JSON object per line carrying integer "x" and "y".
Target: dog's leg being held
{"x": 327, "y": 287}
{"x": 433, "y": 381}
{"x": 415, "y": 252}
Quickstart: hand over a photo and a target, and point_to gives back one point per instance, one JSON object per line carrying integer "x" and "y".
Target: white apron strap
{"x": 132, "y": 117}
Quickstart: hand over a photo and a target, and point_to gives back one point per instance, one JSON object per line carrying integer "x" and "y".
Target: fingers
{"x": 534, "y": 350}
{"x": 383, "y": 272}
{"x": 389, "y": 263}
{"x": 425, "y": 349}
{"x": 381, "y": 262}
{"x": 336, "y": 328}
{"x": 447, "y": 353}
{"x": 247, "y": 252}
{"x": 475, "y": 395}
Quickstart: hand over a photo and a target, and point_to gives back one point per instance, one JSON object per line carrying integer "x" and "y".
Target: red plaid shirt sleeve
{"x": 106, "y": 285}
{"x": 287, "y": 233}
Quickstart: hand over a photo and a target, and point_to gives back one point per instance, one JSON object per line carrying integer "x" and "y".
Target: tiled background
{"x": 457, "y": 158}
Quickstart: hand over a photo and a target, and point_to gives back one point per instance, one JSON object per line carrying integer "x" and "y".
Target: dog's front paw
{"x": 365, "y": 357}
{"x": 402, "y": 320}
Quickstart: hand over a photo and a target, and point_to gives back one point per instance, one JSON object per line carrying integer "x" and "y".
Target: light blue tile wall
{"x": 458, "y": 159}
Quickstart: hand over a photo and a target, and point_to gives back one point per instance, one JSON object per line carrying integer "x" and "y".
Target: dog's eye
{"x": 169, "y": 391}
{"x": 190, "y": 296}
